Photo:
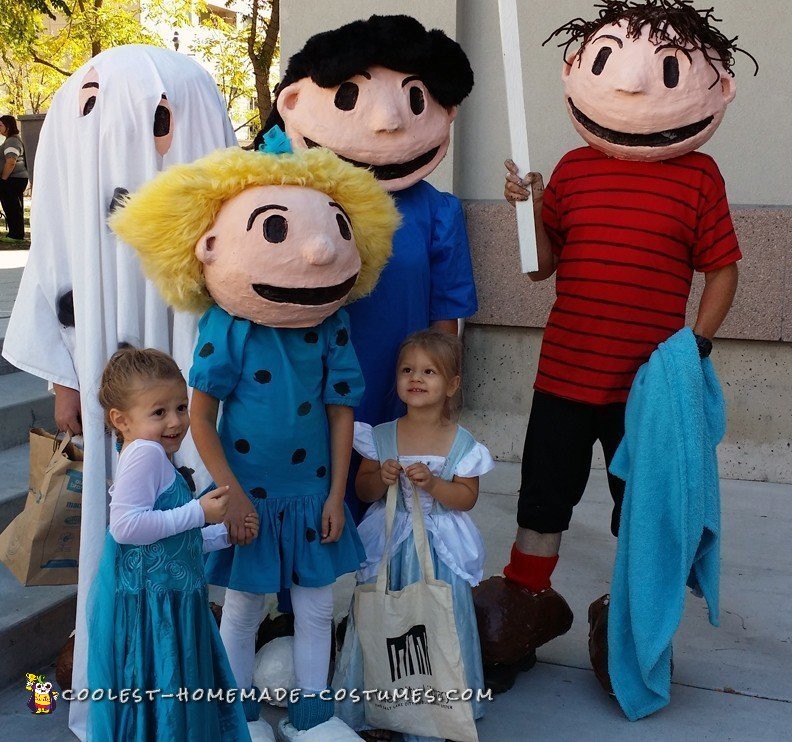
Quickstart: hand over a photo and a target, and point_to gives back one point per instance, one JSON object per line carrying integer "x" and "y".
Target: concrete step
{"x": 24, "y": 403}
{"x": 13, "y": 483}
{"x": 35, "y": 622}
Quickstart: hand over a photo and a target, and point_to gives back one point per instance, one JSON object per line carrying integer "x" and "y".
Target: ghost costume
{"x": 125, "y": 115}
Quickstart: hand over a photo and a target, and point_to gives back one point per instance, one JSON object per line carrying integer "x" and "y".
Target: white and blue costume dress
{"x": 274, "y": 384}
{"x": 454, "y": 541}
{"x": 150, "y": 625}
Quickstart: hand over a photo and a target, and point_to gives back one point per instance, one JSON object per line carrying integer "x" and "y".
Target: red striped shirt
{"x": 628, "y": 236}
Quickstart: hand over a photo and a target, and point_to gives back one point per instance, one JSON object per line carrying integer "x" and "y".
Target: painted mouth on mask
{"x": 656, "y": 139}
{"x": 392, "y": 171}
{"x": 309, "y": 297}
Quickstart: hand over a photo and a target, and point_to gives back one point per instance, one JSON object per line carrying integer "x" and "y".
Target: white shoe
{"x": 333, "y": 730}
{"x": 260, "y": 731}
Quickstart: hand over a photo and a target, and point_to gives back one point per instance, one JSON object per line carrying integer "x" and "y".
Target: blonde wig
{"x": 167, "y": 217}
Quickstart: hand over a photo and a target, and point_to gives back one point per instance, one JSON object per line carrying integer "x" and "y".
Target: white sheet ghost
{"x": 115, "y": 123}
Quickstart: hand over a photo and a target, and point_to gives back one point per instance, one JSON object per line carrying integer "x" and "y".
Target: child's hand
{"x": 389, "y": 472}
{"x": 239, "y": 509}
{"x": 521, "y": 189}
{"x": 252, "y": 525}
{"x": 332, "y": 519}
{"x": 420, "y": 476}
{"x": 214, "y": 504}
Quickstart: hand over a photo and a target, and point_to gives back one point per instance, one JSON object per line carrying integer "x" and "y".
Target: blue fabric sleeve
{"x": 453, "y": 290}
{"x": 343, "y": 377}
{"x": 217, "y": 360}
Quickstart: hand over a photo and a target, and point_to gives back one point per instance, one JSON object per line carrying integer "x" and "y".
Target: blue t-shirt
{"x": 274, "y": 384}
{"x": 428, "y": 278}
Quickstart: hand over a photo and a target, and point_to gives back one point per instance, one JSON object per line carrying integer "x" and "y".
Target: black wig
{"x": 397, "y": 42}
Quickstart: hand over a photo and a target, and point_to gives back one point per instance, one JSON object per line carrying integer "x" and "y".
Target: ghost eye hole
{"x": 343, "y": 227}
{"x": 417, "y": 100}
{"x": 670, "y": 72}
{"x": 346, "y": 96}
{"x": 275, "y": 228}
{"x": 600, "y": 59}
{"x": 162, "y": 119}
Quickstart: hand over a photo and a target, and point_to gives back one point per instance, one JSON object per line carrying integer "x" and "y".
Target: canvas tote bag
{"x": 42, "y": 544}
{"x": 410, "y": 646}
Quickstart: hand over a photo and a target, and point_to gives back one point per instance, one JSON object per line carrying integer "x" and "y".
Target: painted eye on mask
{"x": 600, "y": 59}
{"x": 417, "y": 100}
{"x": 346, "y": 96}
{"x": 343, "y": 227}
{"x": 89, "y": 92}
{"x": 275, "y": 228}
{"x": 670, "y": 72}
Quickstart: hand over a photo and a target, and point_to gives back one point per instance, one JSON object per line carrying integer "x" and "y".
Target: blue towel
{"x": 670, "y": 521}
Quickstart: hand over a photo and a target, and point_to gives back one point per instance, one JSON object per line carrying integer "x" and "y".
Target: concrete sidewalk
{"x": 730, "y": 683}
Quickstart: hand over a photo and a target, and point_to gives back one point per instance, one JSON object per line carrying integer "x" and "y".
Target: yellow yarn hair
{"x": 166, "y": 218}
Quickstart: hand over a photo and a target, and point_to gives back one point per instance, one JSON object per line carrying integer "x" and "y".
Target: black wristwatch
{"x": 704, "y": 346}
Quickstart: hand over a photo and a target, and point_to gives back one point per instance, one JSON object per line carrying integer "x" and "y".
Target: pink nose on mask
{"x": 319, "y": 251}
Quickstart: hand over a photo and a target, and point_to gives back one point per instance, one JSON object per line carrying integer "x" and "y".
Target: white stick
{"x": 518, "y": 130}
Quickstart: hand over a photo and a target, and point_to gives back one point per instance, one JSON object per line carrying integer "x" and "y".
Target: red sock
{"x": 529, "y": 570}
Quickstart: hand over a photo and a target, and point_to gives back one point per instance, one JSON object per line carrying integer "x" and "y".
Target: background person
{"x": 13, "y": 178}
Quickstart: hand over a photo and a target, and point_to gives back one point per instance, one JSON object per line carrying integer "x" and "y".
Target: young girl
{"x": 443, "y": 463}
{"x": 150, "y": 625}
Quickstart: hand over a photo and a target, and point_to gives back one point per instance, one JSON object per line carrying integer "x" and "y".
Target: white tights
{"x": 313, "y": 614}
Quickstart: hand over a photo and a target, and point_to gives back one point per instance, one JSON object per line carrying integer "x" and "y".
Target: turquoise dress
{"x": 150, "y": 627}
{"x": 274, "y": 384}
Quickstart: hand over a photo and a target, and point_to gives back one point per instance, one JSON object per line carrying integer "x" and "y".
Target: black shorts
{"x": 557, "y": 460}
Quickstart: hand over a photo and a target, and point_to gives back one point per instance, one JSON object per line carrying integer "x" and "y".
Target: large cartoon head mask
{"x": 380, "y": 93}
{"x": 650, "y": 81}
{"x": 281, "y": 240}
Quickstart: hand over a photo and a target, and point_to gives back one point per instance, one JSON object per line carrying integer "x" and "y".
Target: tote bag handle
{"x": 419, "y": 536}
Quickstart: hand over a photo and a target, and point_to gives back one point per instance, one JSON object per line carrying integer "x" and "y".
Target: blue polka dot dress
{"x": 274, "y": 384}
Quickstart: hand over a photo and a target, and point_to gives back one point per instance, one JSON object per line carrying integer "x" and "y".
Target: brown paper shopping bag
{"x": 410, "y": 646}
{"x": 42, "y": 544}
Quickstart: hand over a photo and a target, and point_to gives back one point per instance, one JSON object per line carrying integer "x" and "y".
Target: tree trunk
{"x": 262, "y": 54}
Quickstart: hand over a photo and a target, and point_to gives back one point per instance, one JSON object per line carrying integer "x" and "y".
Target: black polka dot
{"x": 304, "y": 409}
{"x": 262, "y": 376}
{"x": 310, "y": 534}
{"x": 342, "y": 388}
{"x": 259, "y": 492}
{"x": 298, "y": 456}
{"x": 311, "y": 337}
{"x": 206, "y": 350}
{"x": 321, "y": 471}
{"x": 242, "y": 446}
{"x": 342, "y": 337}
{"x": 296, "y": 579}
{"x": 281, "y": 515}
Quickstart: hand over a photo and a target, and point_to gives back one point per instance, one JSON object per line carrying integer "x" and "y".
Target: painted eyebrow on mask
{"x": 408, "y": 80}
{"x": 341, "y": 209}
{"x": 679, "y": 48}
{"x": 608, "y": 36}
{"x": 260, "y": 209}
{"x": 91, "y": 85}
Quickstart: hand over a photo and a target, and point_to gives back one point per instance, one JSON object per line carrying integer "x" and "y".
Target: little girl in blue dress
{"x": 150, "y": 625}
{"x": 443, "y": 462}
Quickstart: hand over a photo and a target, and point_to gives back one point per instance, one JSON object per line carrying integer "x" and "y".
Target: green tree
{"x": 263, "y": 48}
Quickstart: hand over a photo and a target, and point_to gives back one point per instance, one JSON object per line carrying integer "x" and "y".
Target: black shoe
{"x": 500, "y": 678}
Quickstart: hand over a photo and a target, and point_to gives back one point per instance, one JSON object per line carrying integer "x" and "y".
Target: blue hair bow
{"x": 276, "y": 142}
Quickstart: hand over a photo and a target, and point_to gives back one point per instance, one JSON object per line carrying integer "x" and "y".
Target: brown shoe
{"x": 598, "y": 641}
{"x": 512, "y": 620}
